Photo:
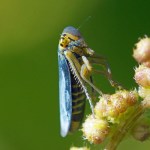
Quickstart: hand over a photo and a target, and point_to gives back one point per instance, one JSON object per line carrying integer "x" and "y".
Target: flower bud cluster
{"x": 141, "y": 130}
{"x": 108, "y": 111}
{"x": 142, "y": 73}
{"x": 123, "y": 109}
{"x": 112, "y": 106}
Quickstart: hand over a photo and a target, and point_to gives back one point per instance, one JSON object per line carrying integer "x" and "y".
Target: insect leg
{"x": 93, "y": 92}
{"x": 86, "y": 70}
{"x": 99, "y": 60}
{"x": 76, "y": 67}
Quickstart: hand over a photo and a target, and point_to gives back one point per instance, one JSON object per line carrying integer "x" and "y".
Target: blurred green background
{"x": 29, "y": 34}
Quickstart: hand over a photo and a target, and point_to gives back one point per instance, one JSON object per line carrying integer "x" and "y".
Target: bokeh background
{"x": 29, "y": 34}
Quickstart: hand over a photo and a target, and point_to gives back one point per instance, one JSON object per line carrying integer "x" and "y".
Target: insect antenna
{"x": 84, "y": 21}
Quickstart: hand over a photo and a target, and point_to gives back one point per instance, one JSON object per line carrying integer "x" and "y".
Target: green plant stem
{"x": 124, "y": 128}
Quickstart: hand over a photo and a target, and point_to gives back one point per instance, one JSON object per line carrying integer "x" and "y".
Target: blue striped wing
{"x": 65, "y": 95}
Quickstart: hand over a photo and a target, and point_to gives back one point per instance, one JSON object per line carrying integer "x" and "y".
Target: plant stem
{"x": 124, "y": 128}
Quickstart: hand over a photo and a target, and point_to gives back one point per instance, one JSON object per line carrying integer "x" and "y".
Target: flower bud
{"x": 145, "y": 94}
{"x": 142, "y": 51}
{"x": 111, "y": 112}
{"x": 142, "y": 76}
{"x": 95, "y": 130}
{"x": 102, "y": 106}
{"x": 119, "y": 102}
{"x": 111, "y": 106}
{"x": 132, "y": 98}
{"x": 122, "y": 99}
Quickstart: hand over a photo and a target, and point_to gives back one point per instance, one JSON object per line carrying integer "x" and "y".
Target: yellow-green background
{"x": 29, "y": 34}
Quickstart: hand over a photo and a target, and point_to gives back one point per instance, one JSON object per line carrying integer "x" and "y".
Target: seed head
{"x": 142, "y": 76}
{"x": 95, "y": 130}
{"x": 142, "y": 51}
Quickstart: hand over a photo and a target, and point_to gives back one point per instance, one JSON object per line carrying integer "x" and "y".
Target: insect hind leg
{"x": 90, "y": 100}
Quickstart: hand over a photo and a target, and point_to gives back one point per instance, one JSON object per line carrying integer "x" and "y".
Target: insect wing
{"x": 65, "y": 96}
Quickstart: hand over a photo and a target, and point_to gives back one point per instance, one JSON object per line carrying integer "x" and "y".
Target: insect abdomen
{"x": 78, "y": 104}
